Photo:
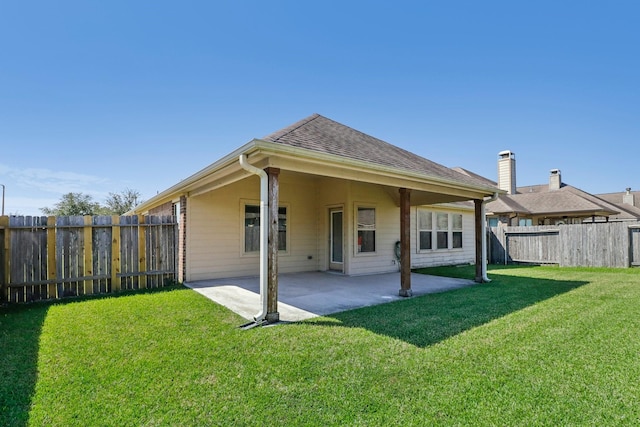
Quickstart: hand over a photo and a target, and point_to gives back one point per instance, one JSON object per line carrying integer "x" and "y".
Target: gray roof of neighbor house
{"x": 320, "y": 134}
{"x": 627, "y": 211}
{"x": 540, "y": 200}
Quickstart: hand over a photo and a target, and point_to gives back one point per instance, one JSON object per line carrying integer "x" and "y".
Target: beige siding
{"x": 214, "y": 233}
{"x": 387, "y": 230}
{"x": 299, "y": 194}
{"x": 216, "y": 226}
{"x": 332, "y": 193}
{"x": 215, "y": 236}
{"x": 436, "y": 257}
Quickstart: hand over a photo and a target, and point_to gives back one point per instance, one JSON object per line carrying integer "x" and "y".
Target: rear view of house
{"x": 337, "y": 200}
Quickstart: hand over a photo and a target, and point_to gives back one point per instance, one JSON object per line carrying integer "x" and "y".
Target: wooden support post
{"x": 142, "y": 252}
{"x": 115, "y": 253}
{"x": 88, "y": 253}
{"x": 478, "y": 233}
{"x": 272, "y": 279}
{"x": 405, "y": 243}
{"x": 52, "y": 267}
{"x": 6, "y": 256}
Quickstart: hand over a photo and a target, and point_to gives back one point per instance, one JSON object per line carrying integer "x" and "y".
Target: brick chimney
{"x": 507, "y": 171}
{"x": 627, "y": 198}
{"x": 555, "y": 180}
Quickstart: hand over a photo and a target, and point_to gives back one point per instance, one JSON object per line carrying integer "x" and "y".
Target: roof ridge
{"x": 287, "y": 130}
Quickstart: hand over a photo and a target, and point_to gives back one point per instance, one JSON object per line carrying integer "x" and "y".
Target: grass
{"x": 536, "y": 346}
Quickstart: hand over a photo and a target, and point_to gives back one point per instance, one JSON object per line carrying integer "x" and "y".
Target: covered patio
{"x": 305, "y": 295}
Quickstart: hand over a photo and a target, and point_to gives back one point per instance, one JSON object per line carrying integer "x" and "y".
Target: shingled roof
{"x": 627, "y": 211}
{"x": 539, "y": 200}
{"x": 320, "y": 134}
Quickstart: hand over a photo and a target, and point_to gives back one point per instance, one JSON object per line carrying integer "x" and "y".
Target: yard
{"x": 536, "y": 346}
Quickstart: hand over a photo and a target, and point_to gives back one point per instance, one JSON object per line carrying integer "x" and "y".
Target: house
{"x": 334, "y": 199}
{"x": 548, "y": 204}
{"x": 628, "y": 202}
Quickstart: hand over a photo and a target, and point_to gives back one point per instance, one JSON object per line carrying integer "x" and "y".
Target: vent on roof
{"x": 555, "y": 180}
{"x": 507, "y": 171}
{"x": 628, "y": 198}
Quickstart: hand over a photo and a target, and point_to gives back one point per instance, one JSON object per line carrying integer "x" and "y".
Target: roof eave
{"x": 266, "y": 148}
{"x": 275, "y": 148}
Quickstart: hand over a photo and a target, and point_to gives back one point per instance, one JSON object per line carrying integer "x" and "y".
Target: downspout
{"x": 264, "y": 233}
{"x": 483, "y": 213}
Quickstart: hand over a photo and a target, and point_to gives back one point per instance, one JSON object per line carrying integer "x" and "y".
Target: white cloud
{"x": 30, "y": 189}
{"x": 59, "y": 182}
{"x": 27, "y": 205}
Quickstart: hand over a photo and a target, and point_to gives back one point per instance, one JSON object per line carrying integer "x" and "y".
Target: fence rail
{"x": 55, "y": 257}
{"x": 613, "y": 244}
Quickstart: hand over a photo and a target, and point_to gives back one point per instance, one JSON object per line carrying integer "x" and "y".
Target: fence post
{"x": 115, "y": 253}
{"x": 52, "y": 271}
{"x": 142, "y": 252}
{"x": 88, "y": 253}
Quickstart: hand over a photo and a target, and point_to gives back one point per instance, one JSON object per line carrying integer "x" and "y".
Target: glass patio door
{"x": 336, "y": 243}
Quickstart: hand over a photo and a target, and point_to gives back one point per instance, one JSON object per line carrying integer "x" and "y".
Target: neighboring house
{"x": 338, "y": 200}
{"x": 628, "y": 202}
{"x": 547, "y": 204}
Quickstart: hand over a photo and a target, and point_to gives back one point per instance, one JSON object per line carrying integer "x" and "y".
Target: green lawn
{"x": 536, "y": 346}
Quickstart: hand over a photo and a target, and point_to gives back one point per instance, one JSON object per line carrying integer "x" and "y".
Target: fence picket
{"x": 612, "y": 244}
{"x": 56, "y": 257}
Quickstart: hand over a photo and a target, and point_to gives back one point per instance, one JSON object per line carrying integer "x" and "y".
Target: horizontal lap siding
{"x": 213, "y": 240}
{"x": 216, "y": 222}
{"x": 437, "y": 257}
{"x": 387, "y": 230}
{"x": 299, "y": 194}
{"x": 333, "y": 194}
{"x": 215, "y": 245}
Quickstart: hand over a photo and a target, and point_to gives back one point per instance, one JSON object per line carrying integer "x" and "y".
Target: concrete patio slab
{"x": 305, "y": 295}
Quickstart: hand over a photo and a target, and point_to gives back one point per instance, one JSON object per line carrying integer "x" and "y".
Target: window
{"x": 282, "y": 228}
{"x": 456, "y": 231}
{"x": 252, "y": 228}
{"x": 444, "y": 227}
{"x": 366, "y": 230}
{"x": 493, "y": 222}
{"x": 442, "y": 224}
{"x": 525, "y": 222}
{"x": 425, "y": 227}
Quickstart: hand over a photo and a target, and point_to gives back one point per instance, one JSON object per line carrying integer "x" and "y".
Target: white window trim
{"x": 434, "y": 231}
{"x": 357, "y": 206}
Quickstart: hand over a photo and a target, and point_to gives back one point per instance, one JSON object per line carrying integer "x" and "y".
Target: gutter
{"x": 485, "y": 278}
{"x": 264, "y": 233}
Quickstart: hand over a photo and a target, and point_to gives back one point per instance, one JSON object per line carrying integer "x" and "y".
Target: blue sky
{"x": 99, "y": 96}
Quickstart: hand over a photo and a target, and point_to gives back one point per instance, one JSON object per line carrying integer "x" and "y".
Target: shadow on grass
{"x": 429, "y": 319}
{"x": 20, "y": 329}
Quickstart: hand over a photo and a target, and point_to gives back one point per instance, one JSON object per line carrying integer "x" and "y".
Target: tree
{"x": 83, "y": 204}
{"x": 119, "y": 203}
{"x": 74, "y": 204}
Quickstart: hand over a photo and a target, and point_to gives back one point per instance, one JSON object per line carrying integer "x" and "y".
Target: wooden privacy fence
{"x": 56, "y": 257}
{"x": 612, "y": 244}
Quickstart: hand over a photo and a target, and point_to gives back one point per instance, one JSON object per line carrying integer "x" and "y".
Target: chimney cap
{"x": 555, "y": 171}
{"x": 628, "y": 190}
{"x": 507, "y": 154}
